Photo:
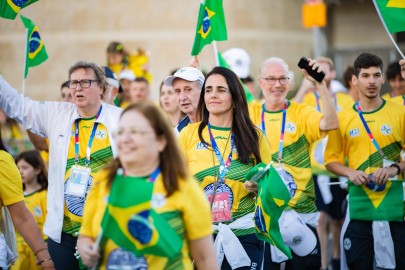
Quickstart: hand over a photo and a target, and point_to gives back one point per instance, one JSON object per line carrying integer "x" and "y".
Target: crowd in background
{"x": 183, "y": 160}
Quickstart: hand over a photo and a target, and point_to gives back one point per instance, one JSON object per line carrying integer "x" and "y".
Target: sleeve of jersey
{"x": 310, "y": 121}
{"x": 196, "y": 211}
{"x": 93, "y": 205}
{"x": 265, "y": 151}
{"x": 334, "y": 151}
{"x": 255, "y": 109}
{"x": 11, "y": 190}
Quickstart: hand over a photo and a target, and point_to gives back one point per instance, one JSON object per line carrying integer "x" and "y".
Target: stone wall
{"x": 76, "y": 30}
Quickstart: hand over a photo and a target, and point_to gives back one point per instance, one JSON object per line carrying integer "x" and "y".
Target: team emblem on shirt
{"x": 201, "y": 146}
{"x": 290, "y": 127}
{"x": 354, "y": 132}
{"x": 101, "y": 134}
{"x": 37, "y": 211}
{"x": 386, "y": 129}
{"x": 158, "y": 200}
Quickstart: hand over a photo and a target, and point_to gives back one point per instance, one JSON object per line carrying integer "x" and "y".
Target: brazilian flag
{"x": 223, "y": 63}
{"x": 210, "y": 25}
{"x": 36, "y": 52}
{"x": 131, "y": 223}
{"x": 10, "y": 8}
{"x": 392, "y": 13}
{"x": 370, "y": 204}
{"x": 272, "y": 198}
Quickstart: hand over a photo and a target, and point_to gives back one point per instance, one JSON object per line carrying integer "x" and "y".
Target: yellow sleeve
{"x": 11, "y": 190}
{"x": 93, "y": 209}
{"x": 334, "y": 151}
{"x": 265, "y": 151}
{"x": 310, "y": 120}
{"x": 196, "y": 211}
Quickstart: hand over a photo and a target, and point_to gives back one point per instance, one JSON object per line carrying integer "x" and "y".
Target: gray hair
{"x": 274, "y": 60}
{"x": 100, "y": 75}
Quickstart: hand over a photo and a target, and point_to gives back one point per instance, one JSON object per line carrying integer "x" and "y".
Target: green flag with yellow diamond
{"x": 392, "y": 13}
{"x": 36, "y": 52}
{"x": 210, "y": 25}
{"x": 385, "y": 205}
{"x": 272, "y": 198}
{"x": 10, "y": 8}
{"x": 131, "y": 223}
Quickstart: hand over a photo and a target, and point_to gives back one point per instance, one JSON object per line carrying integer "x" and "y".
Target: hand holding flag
{"x": 272, "y": 198}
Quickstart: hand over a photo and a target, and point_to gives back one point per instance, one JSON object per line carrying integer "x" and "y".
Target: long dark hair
{"x": 172, "y": 162}
{"x": 245, "y": 132}
{"x": 34, "y": 158}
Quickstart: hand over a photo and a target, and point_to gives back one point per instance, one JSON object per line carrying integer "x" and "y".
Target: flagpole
{"x": 25, "y": 60}
{"x": 214, "y": 46}
{"x": 386, "y": 29}
{"x": 96, "y": 245}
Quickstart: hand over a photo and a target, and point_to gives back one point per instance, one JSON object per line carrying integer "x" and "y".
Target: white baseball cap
{"x": 239, "y": 61}
{"x": 190, "y": 74}
{"x": 296, "y": 233}
{"x": 127, "y": 74}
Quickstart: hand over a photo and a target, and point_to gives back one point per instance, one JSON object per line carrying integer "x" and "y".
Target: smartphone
{"x": 304, "y": 63}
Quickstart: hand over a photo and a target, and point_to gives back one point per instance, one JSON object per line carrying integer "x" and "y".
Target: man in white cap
{"x": 187, "y": 83}
{"x": 126, "y": 77}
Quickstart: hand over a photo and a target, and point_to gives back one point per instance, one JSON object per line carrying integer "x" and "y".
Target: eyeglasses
{"x": 282, "y": 80}
{"x": 83, "y": 83}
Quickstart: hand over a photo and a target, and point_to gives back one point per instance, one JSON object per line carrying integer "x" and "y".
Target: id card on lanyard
{"x": 386, "y": 162}
{"x": 221, "y": 207}
{"x": 80, "y": 175}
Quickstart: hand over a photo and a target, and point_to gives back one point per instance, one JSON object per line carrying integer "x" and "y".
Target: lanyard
{"x": 318, "y": 105}
{"x": 154, "y": 175}
{"x": 77, "y": 143}
{"x": 224, "y": 166}
{"x": 360, "y": 112}
{"x": 403, "y": 97}
{"x": 281, "y": 144}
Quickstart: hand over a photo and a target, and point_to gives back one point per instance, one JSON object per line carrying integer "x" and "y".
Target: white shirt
{"x": 53, "y": 120}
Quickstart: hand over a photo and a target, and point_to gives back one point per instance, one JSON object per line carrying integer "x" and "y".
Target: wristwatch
{"x": 398, "y": 168}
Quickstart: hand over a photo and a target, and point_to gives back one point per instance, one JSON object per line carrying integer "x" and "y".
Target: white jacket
{"x": 53, "y": 120}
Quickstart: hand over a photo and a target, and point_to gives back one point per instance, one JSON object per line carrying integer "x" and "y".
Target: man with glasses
{"x": 80, "y": 145}
{"x": 291, "y": 128}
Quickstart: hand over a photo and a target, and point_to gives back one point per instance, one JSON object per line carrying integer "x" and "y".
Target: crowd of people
{"x": 119, "y": 181}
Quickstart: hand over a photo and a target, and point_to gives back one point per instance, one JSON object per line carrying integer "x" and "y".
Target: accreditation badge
{"x": 221, "y": 207}
{"x": 78, "y": 181}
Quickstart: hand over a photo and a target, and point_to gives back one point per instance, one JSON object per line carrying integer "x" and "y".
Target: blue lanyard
{"x": 224, "y": 166}
{"x": 360, "y": 112}
{"x": 403, "y": 97}
{"x": 154, "y": 175}
{"x": 281, "y": 143}
{"x": 77, "y": 143}
{"x": 318, "y": 105}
